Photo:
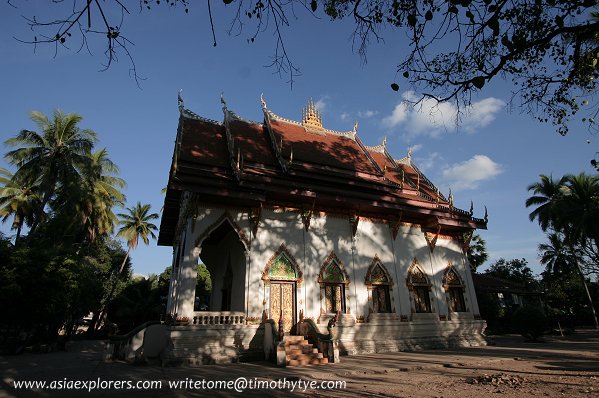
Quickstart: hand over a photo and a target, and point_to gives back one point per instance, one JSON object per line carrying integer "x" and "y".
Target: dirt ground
{"x": 559, "y": 366}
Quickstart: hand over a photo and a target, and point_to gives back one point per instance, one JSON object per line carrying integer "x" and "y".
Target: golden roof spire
{"x": 311, "y": 117}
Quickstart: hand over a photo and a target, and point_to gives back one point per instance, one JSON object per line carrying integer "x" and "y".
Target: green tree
{"x": 545, "y": 195}
{"x": 136, "y": 224}
{"x": 453, "y": 49}
{"x": 516, "y": 270}
{"x": 569, "y": 207}
{"x": 203, "y": 285}
{"x": 57, "y": 155}
{"x": 566, "y": 297}
{"x": 92, "y": 198}
{"x": 578, "y": 214}
{"x": 562, "y": 258}
{"x": 477, "y": 252}
{"x": 18, "y": 198}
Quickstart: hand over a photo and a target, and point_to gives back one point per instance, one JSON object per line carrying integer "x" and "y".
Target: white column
{"x": 188, "y": 275}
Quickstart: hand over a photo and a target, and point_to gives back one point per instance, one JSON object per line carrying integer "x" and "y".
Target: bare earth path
{"x": 558, "y": 367}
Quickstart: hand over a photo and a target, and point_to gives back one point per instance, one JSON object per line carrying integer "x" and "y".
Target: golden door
{"x": 282, "y": 298}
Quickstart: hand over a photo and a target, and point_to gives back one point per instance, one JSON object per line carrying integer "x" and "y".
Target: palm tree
{"x": 56, "y": 156}
{"x": 136, "y": 225}
{"x": 557, "y": 255}
{"x": 560, "y": 257}
{"x": 93, "y": 197}
{"x": 579, "y": 210}
{"x": 18, "y": 198}
{"x": 546, "y": 194}
{"x": 5, "y": 176}
{"x": 477, "y": 252}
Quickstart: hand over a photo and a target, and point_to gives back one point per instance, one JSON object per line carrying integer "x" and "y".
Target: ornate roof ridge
{"x": 230, "y": 115}
{"x": 381, "y": 148}
{"x": 347, "y": 134}
{"x": 376, "y": 148}
{"x": 192, "y": 115}
{"x": 405, "y": 161}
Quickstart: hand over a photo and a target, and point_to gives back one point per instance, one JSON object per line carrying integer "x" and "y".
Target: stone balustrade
{"x": 218, "y": 318}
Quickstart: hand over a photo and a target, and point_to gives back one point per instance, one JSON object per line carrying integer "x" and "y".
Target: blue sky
{"x": 489, "y": 159}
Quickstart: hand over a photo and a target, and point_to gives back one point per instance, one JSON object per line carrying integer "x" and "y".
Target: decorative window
{"x": 282, "y": 267}
{"x": 333, "y": 279}
{"x": 419, "y": 286}
{"x": 379, "y": 285}
{"x": 452, "y": 283}
{"x": 282, "y": 275}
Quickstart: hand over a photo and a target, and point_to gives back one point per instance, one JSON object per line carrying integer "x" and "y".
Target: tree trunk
{"x": 97, "y": 318}
{"x": 586, "y": 288}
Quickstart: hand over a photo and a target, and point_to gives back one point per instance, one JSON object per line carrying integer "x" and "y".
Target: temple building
{"x": 297, "y": 222}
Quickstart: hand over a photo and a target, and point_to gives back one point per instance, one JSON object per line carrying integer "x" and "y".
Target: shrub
{"x": 530, "y": 321}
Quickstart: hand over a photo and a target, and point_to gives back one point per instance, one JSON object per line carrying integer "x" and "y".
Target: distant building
{"x": 297, "y": 221}
{"x": 509, "y": 294}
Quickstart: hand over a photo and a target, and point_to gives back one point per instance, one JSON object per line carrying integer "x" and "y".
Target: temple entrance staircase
{"x": 299, "y": 352}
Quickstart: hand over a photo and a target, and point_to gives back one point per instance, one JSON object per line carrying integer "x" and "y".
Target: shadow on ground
{"x": 388, "y": 374}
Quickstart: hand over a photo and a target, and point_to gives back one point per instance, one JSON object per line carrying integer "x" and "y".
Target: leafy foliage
{"x": 530, "y": 321}
{"x": 566, "y": 299}
{"x": 52, "y": 286}
{"x": 66, "y": 266}
{"x": 569, "y": 208}
{"x": 549, "y": 50}
{"x": 515, "y": 270}
{"x": 477, "y": 252}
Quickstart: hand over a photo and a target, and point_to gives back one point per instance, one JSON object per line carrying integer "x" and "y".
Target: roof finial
{"x": 262, "y": 101}
{"x": 355, "y": 127}
{"x": 222, "y": 100}
{"x": 409, "y": 152}
{"x": 180, "y": 100}
{"x": 311, "y": 117}
{"x": 471, "y": 212}
{"x": 486, "y": 214}
{"x": 385, "y": 141}
{"x": 450, "y": 198}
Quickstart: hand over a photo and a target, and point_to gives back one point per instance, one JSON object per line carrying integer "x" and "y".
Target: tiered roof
{"x": 281, "y": 162}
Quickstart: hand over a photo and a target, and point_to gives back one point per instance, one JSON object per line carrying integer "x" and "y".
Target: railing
{"x": 218, "y": 318}
{"x": 118, "y": 347}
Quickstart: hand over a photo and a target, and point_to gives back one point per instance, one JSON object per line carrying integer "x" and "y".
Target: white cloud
{"x": 468, "y": 174}
{"x": 428, "y": 162}
{"x": 367, "y": 114}
{"x": 416, "y": 148}
{"x": 432, "y": 118}
{"x": 322, "y": 103}
{"x": 344, "y": 116}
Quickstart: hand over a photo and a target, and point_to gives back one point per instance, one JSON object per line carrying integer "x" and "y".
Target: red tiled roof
{"x": 329, "y": 170}
{"x": 324, "y": 149}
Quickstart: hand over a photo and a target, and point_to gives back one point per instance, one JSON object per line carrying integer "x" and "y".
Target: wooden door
{"x": 282, "y": 301}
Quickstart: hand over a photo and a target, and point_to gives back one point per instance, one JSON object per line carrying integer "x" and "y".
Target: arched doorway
{"x": 282, "y": 278}
{"x": 420, "y": 288}
{"x": 454, "y": 288}
{"x": 333, "y": 280}
{"x": 223, "y": 254}
{"x": 379, "y": 283}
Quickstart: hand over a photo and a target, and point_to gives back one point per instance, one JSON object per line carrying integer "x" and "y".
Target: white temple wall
{"x": 327, "y": 234}
{"x": 372, "y": 239}
{"x": 410, "y": 244}
{"x": 275, "y": 228}
{"x": 449, "y": 250}
{"x": 187, "y": 277}
{"x": 310, "y": 249}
